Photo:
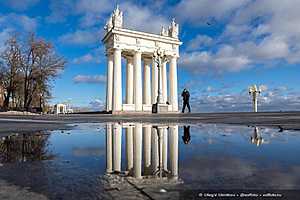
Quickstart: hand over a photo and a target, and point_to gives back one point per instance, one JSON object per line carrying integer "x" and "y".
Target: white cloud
{"x": 89, "y": 79}
{"x": 83, "y": 59}
{"x": 274, "y": 30}
{"x": 263, "y": 88}
{"x": 12, "y": 23}
{"x": 59, "y": 10}
{"x": 20, "y": 4}
{"x": 81, "y": 37}
{"x": 93, "y": 6}
{"x": 258, "y": 32}
{"x": 18, "y": 22}
{"x": 93, "y": 11}
{"x": 97, "y": 104}
{"x": 142, "y": 18}
{"x": 90, "y": 12}
{"x": 199, "y": 42}
{"x": 91, "y": 57}
{"x": 199, "y": 12}
{"x": 226, "y": 59}
{"x": 217, "y": 100}
{"x": 4, "y": 36}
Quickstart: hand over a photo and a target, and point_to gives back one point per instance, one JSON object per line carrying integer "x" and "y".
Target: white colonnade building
{"x": 150, "y": 150}
{"x": 145, "y": 81}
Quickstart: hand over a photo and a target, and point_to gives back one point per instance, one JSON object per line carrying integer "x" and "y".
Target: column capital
{"x": 111, "y": 50}
{"x": 129, "y": 58}
{"x": 137, "y": 50}
{"x": 176, "y": 56}
{"x": 116, "y": 49}
{"x": 109, "y": 53}
{"x": 147, "y": 60}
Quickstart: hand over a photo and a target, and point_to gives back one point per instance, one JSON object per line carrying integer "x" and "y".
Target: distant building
{"x": 70, "y": 110}
{"x": 60, "y": 108}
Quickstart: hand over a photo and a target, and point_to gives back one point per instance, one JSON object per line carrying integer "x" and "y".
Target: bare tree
{"x": 27, "y": 70}
{"x": 10, "y": 69}
{"x": 40, "y": 66}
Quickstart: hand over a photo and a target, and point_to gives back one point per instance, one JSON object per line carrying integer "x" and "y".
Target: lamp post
{"x": 159, "y": 57}
{"x": 254, "y": 91}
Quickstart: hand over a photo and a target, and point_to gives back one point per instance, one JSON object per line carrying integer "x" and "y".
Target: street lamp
{"x": 254, "y": 91}
{"x": 159, "y": 58}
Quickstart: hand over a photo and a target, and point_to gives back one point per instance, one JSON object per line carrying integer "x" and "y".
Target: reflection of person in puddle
{"x": 186, "y": 134}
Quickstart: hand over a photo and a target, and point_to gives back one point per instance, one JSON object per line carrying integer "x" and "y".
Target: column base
{"x": 117, "y": 112}
{"x": 147, "y": 109}
{"x": 162, "y": 108}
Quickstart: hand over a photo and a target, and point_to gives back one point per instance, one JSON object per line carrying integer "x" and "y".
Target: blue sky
{"x": 227, "y": 46}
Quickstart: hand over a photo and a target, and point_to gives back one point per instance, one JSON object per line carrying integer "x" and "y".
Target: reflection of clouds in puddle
{"x": 228, "y": 134}
{"x": 216, "y": 157}
{"x": 273, "y": 135}
{"x": 213, "y": 133}
{"x": 99, "y": 127}
{"x": 88, "y": 151}
{"x": 233, "y": 173}
{"x": 218, "y": 162}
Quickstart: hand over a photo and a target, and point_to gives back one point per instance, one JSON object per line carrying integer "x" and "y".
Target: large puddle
{"x": 135, "y": 160}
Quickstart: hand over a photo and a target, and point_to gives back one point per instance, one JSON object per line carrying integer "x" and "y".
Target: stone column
{"x": 109, "y": 148}
{"x": 154, "y": 150}
{"x": 154, "y": 83}
{"x": 147, "y": 147}
{"x": 147, "y": 82}
{"x": 117, "y": 139}
{"x": 137, "y": 150}
{"x": 160, "y": 98}
{"x": 109, "y": 82}
{"x": 165, "y": 148}
{"x": 254, "y": 101}
{"x": 117, "y": 92}
{"x": 129, "y": 81}
{"x": 173, "y": 138}
{"x": 160, "y": 146}
{"x": 164, "y": 82}
{"x": 129, "y": 148}
{"x": 173, "y": 84}
{"x": 138, "y": 98}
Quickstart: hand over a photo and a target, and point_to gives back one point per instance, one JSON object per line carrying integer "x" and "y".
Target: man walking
{"x": 186, "y": 99}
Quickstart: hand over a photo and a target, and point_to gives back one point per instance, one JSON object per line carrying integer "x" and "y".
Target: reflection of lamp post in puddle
{"x": 257, "y": 138}
{"x": 160, "y": 171}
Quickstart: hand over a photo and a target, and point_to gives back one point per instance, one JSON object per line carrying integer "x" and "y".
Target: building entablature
{"x": 131, "y": 41}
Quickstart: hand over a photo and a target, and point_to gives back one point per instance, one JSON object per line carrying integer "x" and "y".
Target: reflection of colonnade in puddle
{"x": 151, "y": 151}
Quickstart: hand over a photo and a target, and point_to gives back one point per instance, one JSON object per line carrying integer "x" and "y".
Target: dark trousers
{"x": 186, "y": 103}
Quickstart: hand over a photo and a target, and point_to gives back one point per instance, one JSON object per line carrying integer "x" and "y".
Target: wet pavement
{"x": 147, "y": 161}
{"x": 30, "y": 123}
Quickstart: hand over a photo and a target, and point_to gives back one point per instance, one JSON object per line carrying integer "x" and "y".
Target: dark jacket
{"x": 186, "y": 135}
{"x": 186, "y": 95}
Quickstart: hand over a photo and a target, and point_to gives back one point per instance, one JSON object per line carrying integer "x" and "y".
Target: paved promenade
{"x": 13, "y": 123}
